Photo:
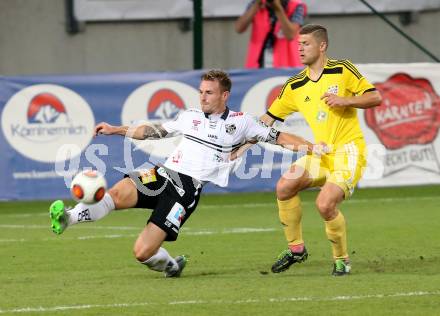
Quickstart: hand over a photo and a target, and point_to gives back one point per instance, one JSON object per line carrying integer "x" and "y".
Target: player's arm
{"x": 263, "y": 133}
{"x": 242, "y": 23}
{"x": 294, "y": 142}
{"x": 145, "y": 131}
{"x": 266, "y": 120}
{"x": 367, "y": 100}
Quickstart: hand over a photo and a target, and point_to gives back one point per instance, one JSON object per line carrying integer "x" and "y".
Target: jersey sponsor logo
{"x": 407, "y": 123}
{"x": 196, "y": 124}
{"x": 236, "y": 114}
{"x": 177, "y": 157}
{"x": 157, "y": 102}
{"x": 148, "y": 176}
{"x": 230, "y": 128}
{"x": 48, "y": 115}
{"x": 321, "y": 116}
{"x": 307, "y": 99}
{"x": 212, "y": 136}
{"x": 212, "y": 124}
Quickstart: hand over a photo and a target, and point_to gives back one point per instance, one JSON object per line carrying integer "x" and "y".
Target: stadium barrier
{"x": 47, "y": 126}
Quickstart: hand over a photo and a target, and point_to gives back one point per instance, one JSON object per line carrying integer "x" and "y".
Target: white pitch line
{"x": 185, "y": 232}
{"x": 14, "y": 226}
{"x": 40, "y": 309}
{"x": 267, "y": 204}
{"x": 354, "y": 201}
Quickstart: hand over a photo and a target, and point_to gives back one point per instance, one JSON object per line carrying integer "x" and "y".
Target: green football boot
{"x": 58, "y": 217}
{"x": 287, "y": 258}
{"x": 341, "y": 267}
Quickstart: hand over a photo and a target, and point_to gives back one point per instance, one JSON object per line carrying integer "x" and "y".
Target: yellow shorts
{"x": 344, "y": 167}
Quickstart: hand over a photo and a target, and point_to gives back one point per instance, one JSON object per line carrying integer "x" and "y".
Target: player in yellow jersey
{"x": 328, "y": 93}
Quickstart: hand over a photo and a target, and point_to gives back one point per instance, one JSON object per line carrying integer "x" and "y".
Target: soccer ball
{"x": 88, "y": 187}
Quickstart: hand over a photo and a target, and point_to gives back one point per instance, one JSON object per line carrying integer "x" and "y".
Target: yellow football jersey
{"x": 334, "y": 126}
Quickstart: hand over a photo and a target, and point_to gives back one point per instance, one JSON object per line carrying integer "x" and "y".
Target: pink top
{"x": 285, "y": 53}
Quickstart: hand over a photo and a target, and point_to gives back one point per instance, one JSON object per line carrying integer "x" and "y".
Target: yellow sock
{"x": 336, "y": 233}
{"x": 290, "y": 214}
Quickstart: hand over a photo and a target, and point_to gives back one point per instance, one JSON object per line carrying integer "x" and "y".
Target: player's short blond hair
{"x": 218, "y": 75}
{"x": 318, "y": 31}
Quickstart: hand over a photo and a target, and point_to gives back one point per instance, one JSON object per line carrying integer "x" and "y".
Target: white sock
{"x": 161, "y": 261}
{"x": 90, "y": 212}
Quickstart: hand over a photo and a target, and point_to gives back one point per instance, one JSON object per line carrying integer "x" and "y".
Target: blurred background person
{"x": 274, "y": 35}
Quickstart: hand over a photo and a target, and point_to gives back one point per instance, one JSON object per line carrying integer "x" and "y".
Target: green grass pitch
{"x": 232, "y": 240}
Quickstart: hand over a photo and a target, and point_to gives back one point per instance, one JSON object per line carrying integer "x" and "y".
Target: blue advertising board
{"x": 47, "y": 127}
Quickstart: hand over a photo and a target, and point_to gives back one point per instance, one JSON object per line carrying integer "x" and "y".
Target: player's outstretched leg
{"x": 121, "y": 196}
{"x": 61, "y": 218}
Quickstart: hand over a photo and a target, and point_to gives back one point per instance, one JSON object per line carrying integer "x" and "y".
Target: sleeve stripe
{"x": 291, "y": 79}
{"x": 274, "y": 117}
{"x": 347, "y": 65}
{"x": 334, "y": 70}
{"x": 352, "y": 68}
{"x": 298, "y": 84}
{"x": 297, "y": 76}
{"x": 369, "y": 90}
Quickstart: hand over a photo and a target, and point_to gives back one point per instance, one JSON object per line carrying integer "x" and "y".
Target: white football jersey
{"x": 208, "y": 141}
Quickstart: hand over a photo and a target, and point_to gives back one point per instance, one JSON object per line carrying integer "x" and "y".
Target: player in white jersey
{"x": 173, "y": 190}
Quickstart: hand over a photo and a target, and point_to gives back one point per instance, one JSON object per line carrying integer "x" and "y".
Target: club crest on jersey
{"x": 333, "y": 89}
{"x": 230, "y": 128}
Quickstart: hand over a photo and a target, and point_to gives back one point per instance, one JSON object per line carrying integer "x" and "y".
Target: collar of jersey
{"x": 325, "y": 66}
{"x": 224, "y": 115}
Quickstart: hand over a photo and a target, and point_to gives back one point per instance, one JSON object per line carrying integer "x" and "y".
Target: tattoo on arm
{"x": 154, "y": 131}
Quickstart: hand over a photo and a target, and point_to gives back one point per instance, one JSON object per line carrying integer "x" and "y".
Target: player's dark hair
{"x": 318, "y": 31}
{"x": 220, "y": 76}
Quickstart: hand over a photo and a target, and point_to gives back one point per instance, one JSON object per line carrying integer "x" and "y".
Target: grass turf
{"x": 232, "y": 240}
